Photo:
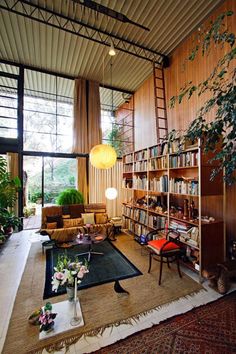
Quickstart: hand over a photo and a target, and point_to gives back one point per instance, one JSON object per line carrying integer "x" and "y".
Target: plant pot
{"x": 70, "y": 293}
{"x": 8, "y": 231}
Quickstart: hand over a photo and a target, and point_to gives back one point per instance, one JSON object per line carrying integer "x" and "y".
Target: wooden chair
{"x": 163, "y": 248}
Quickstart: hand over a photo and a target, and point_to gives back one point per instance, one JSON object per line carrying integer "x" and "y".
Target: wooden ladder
{"x": 160, "y": 103}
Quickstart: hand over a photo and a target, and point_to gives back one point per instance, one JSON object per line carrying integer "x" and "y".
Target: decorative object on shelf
{"x": 46, "y": 318}
{"x": 186, "y": 209}
{"x": 111, "y": 193}
{"x": 102, "y": 156}
{"x": 65, "y": 273}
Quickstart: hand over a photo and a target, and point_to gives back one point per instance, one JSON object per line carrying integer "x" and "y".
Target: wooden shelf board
{"x": 183, "y": 167}
{"x": 144, "y": 171}
{"x": 157, "y": 192}
{"x": 189, "y": 265}
{"x": 156, "y": 157}
{"x": 187, "y": 195}
{"x": 159, "y": 169}
{"x": 194, "y": 223}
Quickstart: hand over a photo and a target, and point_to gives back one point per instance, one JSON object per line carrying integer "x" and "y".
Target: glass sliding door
{"x": 44, "y": 179}
{"x": 32, "y": 191}
{"x": 59, "y": 174}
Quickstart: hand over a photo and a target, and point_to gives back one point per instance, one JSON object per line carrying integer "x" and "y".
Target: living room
{"x": 117, "y": 148}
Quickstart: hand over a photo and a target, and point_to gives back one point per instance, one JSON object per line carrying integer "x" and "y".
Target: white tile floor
{"x": 13, "y": 257}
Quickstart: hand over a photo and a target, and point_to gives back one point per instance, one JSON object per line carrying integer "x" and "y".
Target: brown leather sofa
{"x": 63, "y": 223}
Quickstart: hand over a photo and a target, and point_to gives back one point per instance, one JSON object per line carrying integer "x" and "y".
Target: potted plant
{"x": 70, "y": 196}
{"x": 8, "y": 221}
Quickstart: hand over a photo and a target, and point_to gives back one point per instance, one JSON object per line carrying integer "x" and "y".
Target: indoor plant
{"x": 8, "y": 221}
{"x": 66, "y": 271}
{"x": 70, "y": 196}
{"x": 220, "y": 87}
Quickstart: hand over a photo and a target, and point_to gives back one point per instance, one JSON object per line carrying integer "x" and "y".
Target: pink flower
{"x": 59, "y": 275}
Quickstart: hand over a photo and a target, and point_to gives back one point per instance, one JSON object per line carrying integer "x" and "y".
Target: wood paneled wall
{"x": 144, "y": 115}
{"x": 175, "y": 78}
{"x": 180, "y": 117}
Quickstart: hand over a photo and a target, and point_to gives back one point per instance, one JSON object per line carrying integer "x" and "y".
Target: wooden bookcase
{"x": 173, "y": 189}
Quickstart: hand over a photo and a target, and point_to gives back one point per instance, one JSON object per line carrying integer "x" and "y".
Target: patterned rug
{"x": 209, "y": 329}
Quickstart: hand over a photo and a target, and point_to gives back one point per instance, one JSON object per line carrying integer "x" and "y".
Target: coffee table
{"x": 89, "y": 239}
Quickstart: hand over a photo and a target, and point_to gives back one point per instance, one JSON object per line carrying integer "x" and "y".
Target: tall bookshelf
{"x": 173, "y": 189}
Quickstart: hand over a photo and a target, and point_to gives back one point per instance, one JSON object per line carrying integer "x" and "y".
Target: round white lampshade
{"x": 111, "y": 193}
{"x": 103, "y": 156}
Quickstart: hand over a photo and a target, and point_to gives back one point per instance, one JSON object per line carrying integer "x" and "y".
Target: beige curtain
{"x": 99, "y": 180}
{"x": 87, "y": 126}
{"x": 13, "y": 168}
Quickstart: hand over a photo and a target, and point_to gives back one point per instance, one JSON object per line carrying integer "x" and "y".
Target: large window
{"x": 8, "y": 103}
{"x": 117, "y": 120}
{"x": 48, "y": 114}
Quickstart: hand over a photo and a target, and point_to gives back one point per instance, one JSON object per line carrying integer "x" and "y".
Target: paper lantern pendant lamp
{"x": 111, "y": 193}
{"x": 103, "y": 156}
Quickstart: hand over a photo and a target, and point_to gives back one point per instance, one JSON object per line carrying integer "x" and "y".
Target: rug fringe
{"x": 67, "y": 342}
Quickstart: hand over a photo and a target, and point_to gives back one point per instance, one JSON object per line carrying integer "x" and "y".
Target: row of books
{"x": 182, "y": 186}
{"x": 156, "y": 221}
{"x": 128, "y": 158}
{"x": 158, "y": 163}
{"x": 140, "y": 216}
{"x": 140, "y": 166}
{"x": 128, "y": 168}
{"x": 184, "y": 159}
{"x": 188, "y": 234}
{"x": 159, "y": 184}
{"x": 127, "y": 211}
{"x": 158, "y": 150}
{"x": 141, "y": 155}
{"x": 140, "y": 182}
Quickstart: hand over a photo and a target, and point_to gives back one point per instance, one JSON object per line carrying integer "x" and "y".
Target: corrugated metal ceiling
{"x": 26, "y": 41}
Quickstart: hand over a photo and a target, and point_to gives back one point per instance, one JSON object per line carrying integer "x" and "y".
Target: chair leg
{"x": 160, "y": 271}
{"x": 177, "y": 260}
{"x": 168, "y": 263}
{"x": 150, "y": 262}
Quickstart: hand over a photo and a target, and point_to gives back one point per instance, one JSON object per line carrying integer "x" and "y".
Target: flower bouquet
{"x": 66, "y": 271}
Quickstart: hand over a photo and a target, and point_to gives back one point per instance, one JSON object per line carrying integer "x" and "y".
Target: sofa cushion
{"x": 101, "y": 218}
{"x": 75, "y": 210}
{"x": 55, "y": 219}
{"x": 95, "y": 208}
{"x": 72, "y": 222}
{"x": 51, "y": 225}
{"x": 88, "y": 218}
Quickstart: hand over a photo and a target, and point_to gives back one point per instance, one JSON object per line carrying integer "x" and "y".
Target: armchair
{"x": 163, "y": 248}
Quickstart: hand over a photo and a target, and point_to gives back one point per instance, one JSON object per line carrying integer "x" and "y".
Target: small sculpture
{"x": 186, "y": 211}
{"x": 46, "y": 318}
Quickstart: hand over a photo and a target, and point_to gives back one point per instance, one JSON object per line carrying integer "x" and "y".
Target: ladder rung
{"x": 161, "y": 107}
{"x": 160, "y": 128}
{"x": 160, "y": 98}
{"x": 162, "y": 118}
{"x": 159, "y": 78}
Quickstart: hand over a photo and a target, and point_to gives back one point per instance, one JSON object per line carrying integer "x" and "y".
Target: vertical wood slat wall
{"x": 175, "y": 78}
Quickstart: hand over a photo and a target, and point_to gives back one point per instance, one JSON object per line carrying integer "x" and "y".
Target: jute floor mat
{"x": 101, "y": 306}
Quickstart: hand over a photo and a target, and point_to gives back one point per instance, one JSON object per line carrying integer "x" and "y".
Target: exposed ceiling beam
{"x": 54, "y": 19}
{"x": 109, "y": 12}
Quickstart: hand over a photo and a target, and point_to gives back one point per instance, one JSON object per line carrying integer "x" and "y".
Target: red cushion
{"x": 171, "y": 246}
